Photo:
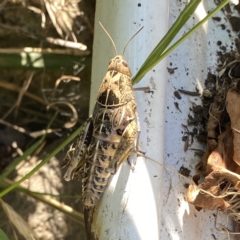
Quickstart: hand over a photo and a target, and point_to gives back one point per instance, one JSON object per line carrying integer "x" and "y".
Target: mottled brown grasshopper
{"x": 108, "y": 136}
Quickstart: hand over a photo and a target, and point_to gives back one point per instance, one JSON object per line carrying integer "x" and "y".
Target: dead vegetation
{"x": 45, "y": 63}
{"x": 220, "y": 163}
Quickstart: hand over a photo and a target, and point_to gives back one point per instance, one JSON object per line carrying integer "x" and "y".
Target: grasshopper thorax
{"x": 118, "y": 64}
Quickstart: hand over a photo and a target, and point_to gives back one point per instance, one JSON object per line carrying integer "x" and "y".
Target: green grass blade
{"x": 44, "y": 161}
{"x": 162, "y": 45}
{"x": 26, "y": 154}
{"x": 47, "y": 198}
{"x": 159, "y": 52}
{"x": 39, "y": 61}
{"x": 176, "y": 44}
{"x": 177, "y": 26}
{"x": 3, "y": 236}
{"x": 7, "y": 182}
{"x": 19, "y": 159}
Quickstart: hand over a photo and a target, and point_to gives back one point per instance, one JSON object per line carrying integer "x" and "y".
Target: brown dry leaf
{"x": 202, "y": 200}
{"x": 210, "y": 184}
{"x": 215, "y": 116}
{"x": 23, "y": 227}
{"x": 233, "y": 109}
{"x": 220, "y": 167}
{"x": 221, "y": 161}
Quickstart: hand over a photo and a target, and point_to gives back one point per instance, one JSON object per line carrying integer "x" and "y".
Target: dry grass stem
{"x": 39, "y": 11}
{"x": 74, "y": 118}
{"x": 20, "y": 96}
{"x": 15, "y": 88}
{"x": 62, "y": 78}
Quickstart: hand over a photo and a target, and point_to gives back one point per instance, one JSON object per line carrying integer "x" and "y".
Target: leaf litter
{"x": 218, "y": 122}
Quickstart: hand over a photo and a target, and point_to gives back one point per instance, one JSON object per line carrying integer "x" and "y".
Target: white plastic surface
{"x": 130, "y": 206}
{"x": 149, "y": 203}
{"x": 193, "y": 59}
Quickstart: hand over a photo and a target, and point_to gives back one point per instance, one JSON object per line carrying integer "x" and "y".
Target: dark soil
{"x": 199, "y": 114}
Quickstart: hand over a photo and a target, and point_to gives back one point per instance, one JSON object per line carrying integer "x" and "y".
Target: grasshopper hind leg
{"x": 75, "y": 156}
{"x": 136, "y": 143}
{"x": 125, "y": 147}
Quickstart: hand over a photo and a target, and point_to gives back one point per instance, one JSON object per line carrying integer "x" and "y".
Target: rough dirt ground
{"x": 48, "y": 223}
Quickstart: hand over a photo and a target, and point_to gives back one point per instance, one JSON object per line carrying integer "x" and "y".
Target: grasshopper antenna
{"x": 131, "y": 39}
{"x": 110, "y": 38}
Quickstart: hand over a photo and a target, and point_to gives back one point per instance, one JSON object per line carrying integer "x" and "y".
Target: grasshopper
{"x": 108, "y": 136}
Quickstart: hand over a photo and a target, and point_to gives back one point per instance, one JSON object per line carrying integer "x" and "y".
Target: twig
{"x": 36, "y": 114}
{"x": 55, "y": 41}
{"x": 39, "y": 11}
{"x": 189, "y": 92}
{"x": 31, "y": 134}
{"x": 64, "y": 43}
{"x": 17, "y": 128}
{"x": 74, "y": 119}
{"x": 20, "y": 96}
{"x": 2, "y": 5}
{"x": 64, "y": 77}
{"x": 16, "y": 88}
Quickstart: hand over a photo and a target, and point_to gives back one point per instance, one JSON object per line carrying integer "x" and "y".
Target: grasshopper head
{"x": 120, "y": 65}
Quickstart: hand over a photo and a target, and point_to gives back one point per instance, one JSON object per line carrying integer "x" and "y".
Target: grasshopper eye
{"x": 124, "y": 64}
